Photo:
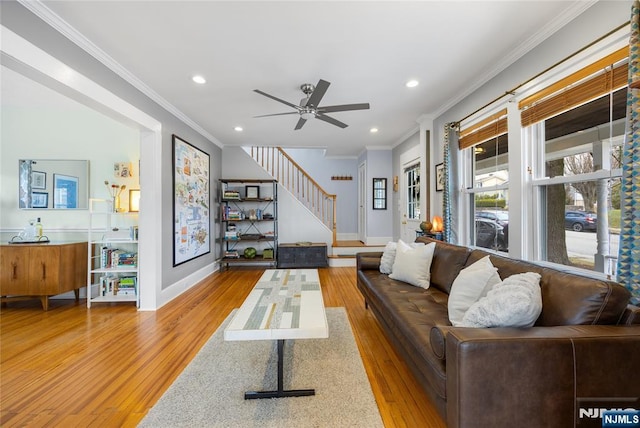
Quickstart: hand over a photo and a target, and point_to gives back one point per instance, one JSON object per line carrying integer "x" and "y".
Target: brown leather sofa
{"x": 584, "y": 345}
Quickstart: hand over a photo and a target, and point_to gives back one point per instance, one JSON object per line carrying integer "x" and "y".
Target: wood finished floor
{"x": 107, "y": 366}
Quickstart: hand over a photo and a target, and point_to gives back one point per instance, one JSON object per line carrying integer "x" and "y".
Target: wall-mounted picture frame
{"x": 252, "y": 192}
{"x": 440, "y": 177}
{"x": 379, "y": 193}
{"x": 191, "y": 202}
{"x": 38, "y": 180}
{"x": 65, "y": 191}
{"x": 134, "y": 200}
{"x": 39, "y": 200}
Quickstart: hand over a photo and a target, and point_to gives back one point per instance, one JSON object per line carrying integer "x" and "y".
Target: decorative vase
{"x": 426, "y": 226}
{"x": 116, "y": 204}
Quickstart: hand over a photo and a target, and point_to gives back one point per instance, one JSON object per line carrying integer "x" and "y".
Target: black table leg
{"x": 280, "y": 392}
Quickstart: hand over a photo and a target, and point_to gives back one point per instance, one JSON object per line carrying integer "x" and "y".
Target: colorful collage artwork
{"x": 191, "y": 202}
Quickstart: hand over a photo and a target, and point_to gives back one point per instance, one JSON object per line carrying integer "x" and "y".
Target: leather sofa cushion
{"x": 567, "y": 298}
{"x": 410, "y": 312}
{"x": 448, "y": 260}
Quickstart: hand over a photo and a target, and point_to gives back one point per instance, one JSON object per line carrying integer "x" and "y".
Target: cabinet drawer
{"x": 14, "y": 272}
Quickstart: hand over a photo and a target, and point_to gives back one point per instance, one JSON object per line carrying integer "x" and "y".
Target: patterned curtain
{"x": 446, "y": 198}
{"x": 629, "y": 252}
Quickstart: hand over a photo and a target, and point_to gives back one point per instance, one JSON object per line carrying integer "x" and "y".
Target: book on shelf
{"x": 231, "y": 194}
{"x": 114, "y": 258}
{"x": 231, "y": 254}
{"x": 112, "y": 285}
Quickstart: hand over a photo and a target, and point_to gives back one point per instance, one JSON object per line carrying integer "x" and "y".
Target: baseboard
{"x": 378, "y": 240}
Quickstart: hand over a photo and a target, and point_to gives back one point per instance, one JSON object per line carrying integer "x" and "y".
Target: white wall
{"x": 39, "y": 123}
{"x": 321, "y": 169}
{"x": 379, "y": 222}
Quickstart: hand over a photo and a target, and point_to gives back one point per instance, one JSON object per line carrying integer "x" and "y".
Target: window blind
{"x": 576, "y": 89}
{"x": 491, "y": 127}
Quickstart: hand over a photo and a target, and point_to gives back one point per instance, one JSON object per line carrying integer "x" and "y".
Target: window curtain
{"x": 629, "y": 250}
{"x": 449, "y": 204}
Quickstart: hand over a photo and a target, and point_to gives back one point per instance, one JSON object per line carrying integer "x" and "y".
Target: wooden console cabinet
{"x": 42, "y": 270}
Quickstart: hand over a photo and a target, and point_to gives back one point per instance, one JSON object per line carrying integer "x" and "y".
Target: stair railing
{"x": 297, "y": 181}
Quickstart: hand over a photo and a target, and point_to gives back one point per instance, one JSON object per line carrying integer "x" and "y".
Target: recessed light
{"x": 412, "y": 83}
{"x": 373, "y": 130}
{"x": 238, "y": 129}
{"x": 199, "y": 79}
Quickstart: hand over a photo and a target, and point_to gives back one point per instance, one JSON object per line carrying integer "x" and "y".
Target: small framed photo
{"x": 440, "y": 177}
{"x": 39, "y": 200}
{"x": 252, "y": 192}
{"x": 38, "y": 180}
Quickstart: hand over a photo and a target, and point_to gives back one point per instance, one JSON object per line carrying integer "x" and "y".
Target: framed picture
{"x": 440, "y": 177}
{"x": 379, "y": 193}
{"x": 191, "y": 202}
{"x": 65, "y": 191}
{"x": 38, "y": 180}
{"x": 252, "y": 192}
{"x": 39, "y": 200}
{"x": 134, "y": 200}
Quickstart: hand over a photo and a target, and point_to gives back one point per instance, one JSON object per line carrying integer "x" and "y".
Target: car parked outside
{"x": 579, "y": 221}
{"x": 489, "y": 234}
{"x": 500, "y": 217}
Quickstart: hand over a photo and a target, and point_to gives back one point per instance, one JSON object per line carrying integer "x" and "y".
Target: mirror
{"x": 53, "y": 184}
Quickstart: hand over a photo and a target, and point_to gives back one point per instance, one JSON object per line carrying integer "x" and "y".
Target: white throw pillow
{"x": 389, "y": 255}
{"x": 515, "y": 302}
{"x": 471, "y": 284}
{"x": 413, "y": 265}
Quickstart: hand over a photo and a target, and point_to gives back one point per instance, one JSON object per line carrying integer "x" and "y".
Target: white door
{"x": 410, "y": 200}
{"x": 362, "y": 202}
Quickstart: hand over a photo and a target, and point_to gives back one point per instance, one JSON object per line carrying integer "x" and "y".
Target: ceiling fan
{"x": 309, "y": 107}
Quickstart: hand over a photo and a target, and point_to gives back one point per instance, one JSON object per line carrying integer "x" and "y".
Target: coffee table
{"x": 284, "y": 304}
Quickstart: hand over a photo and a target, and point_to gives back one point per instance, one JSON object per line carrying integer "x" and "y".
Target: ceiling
{"x": 367, "y": 50}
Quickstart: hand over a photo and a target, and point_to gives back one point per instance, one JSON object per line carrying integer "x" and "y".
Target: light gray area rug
{"x": 210, "y": 391}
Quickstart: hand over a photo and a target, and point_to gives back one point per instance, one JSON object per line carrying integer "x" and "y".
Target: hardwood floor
{"x": 107, "y": 366}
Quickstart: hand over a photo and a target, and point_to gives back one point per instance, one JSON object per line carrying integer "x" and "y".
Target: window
{"x": 487, "y": 181}
{"x": 412, "y": 176}
{"x": 578, "y": 142}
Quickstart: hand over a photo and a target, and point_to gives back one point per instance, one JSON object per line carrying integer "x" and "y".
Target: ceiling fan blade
{"x": 300, "y": 123}
{"x": 331, "y": 120}
{"x": 318, "y": 93}
{"x": 277, "y": 99}
{"x": 344, "y": 107}
{"x": 276, "y": 114}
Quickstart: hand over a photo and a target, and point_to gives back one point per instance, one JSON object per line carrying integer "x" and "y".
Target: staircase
{"x": 296, "y": 180}
{"x": 320, "y": 203}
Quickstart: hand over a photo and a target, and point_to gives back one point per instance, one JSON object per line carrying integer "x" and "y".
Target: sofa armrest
{"x": 366, "y": 261}
{"x": 536, "y": 377}
{"x": 631, "y": 316}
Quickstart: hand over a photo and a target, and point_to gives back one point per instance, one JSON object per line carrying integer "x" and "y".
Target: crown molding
{"x": 63, "y": 27}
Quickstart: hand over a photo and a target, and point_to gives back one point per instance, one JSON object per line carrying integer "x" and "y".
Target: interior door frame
{"x": 362, "y": 202}
{"x": 408, "y": 226}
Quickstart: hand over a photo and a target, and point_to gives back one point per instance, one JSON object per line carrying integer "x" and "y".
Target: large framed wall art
{"x": 191, "y": 199}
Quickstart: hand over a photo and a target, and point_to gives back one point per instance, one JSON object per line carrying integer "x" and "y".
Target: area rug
{"x": 210, "y": 391}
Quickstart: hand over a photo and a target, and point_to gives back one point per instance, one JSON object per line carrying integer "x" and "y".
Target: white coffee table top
{"x": 284, "y": 304}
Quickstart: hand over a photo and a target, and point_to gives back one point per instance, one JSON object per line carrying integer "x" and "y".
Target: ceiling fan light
{"x": 307, "y": 113}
